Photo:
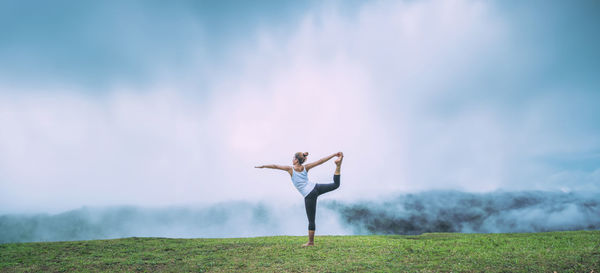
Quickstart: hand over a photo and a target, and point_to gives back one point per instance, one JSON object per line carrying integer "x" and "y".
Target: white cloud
{"x": 368, "y": 84}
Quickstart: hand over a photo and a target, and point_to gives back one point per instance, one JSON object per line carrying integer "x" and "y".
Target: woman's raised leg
{"x": 324, "y": 188}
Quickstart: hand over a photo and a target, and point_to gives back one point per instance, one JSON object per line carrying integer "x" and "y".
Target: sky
{"x": 154, "y": 104}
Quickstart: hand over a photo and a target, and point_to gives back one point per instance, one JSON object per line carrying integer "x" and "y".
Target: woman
{"x": 310, "y": 190}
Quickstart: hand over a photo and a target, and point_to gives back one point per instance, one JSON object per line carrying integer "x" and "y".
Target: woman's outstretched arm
{"x": 278, "y": 167}
{"x": 320, "y": 161}
{"x": 288, "y": 169}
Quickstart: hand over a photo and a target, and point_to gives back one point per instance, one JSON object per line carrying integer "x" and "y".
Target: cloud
{"x": 451, "y": 211}
{"x": 434, "y": 211}
{"x": 224, "y": 219}
{"x": 419, "y": 96}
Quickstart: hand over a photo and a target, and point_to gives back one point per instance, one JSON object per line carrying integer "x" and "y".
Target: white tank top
{"x": 300, "y": 180}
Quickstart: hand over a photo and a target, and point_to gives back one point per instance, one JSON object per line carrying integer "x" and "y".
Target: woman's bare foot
{"x": 311, "y": 238}
{"x": 338, "y": 162}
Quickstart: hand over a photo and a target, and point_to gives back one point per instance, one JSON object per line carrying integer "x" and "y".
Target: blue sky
{"x": 153, "y": 103}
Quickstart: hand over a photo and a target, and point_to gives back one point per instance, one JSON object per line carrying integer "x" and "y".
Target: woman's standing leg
{"x": 310, "y": 204}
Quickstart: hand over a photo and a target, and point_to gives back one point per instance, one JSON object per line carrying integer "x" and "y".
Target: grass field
{"x": 575, "y": 251}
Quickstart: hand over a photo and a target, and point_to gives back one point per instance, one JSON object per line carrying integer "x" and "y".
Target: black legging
{"x": 310, "y": 201}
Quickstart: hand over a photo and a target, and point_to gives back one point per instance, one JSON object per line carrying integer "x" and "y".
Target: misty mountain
{"x": 416, "y": 213}
{"x": 453, "y": 211}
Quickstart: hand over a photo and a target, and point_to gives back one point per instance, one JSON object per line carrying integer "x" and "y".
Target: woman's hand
{"x": 339, "y": 154}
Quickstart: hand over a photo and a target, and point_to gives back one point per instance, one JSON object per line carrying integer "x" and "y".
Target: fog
{"x": 417, "y": 213}
{"x": 231, "y": 219}
{"x": 156, "y": 107}
{"x": 497, "y": 212}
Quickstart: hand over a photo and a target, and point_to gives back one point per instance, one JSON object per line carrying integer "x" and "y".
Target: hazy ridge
{"x": 433, "y": 211}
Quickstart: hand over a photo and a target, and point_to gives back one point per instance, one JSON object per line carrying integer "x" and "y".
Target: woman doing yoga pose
{"x": 310, "y": 190}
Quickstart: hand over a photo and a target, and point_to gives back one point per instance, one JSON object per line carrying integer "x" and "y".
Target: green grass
{"x": 576, "y": 251}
